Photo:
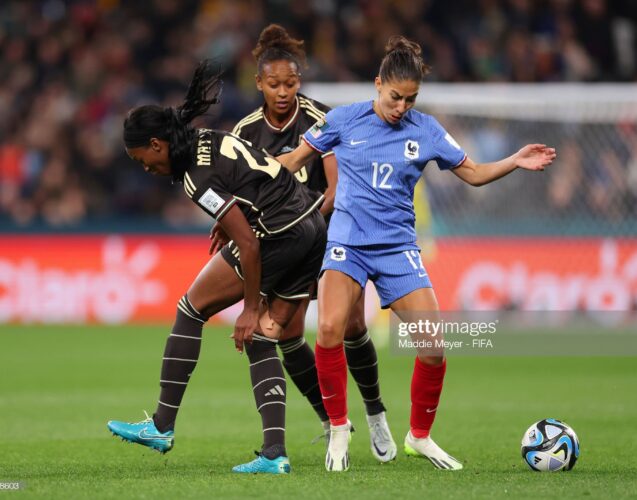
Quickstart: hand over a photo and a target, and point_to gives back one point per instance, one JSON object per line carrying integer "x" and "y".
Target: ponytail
{"x": 276, "y": 44}
{"x": 403, "y": 61}
{"x": 173, "y": 124}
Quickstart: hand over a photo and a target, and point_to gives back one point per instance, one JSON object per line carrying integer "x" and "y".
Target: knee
{"x": 294, "y": 328}
{"x": 270, "y": 325}
{"x": 431, "y": 360}
{"x": 185, "y": 306}
{"x": 355, "y": 327}
{"x": 330, "y": 333}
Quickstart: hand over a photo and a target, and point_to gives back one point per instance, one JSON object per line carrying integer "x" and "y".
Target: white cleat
{"x": 382, "y": 443}
{"x": 427, "y": 448}
{"x": 337, "y": 457}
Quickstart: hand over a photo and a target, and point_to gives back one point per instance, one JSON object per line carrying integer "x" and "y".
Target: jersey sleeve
{"x": 325, "y": 133}
{"x": 209, "y": 189}
{"x": 446, "y": 151}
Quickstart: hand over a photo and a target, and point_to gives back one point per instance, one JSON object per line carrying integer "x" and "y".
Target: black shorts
{"x": 291, "y": 261}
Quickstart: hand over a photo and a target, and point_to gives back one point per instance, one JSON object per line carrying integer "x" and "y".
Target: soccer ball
{"x": 550, "y": 445}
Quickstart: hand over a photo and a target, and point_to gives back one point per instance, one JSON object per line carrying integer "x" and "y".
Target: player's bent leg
{"x": 337, "y": 295}
{"x": 216, "y": 287}
{"x": 362, "y": 362}
{"x": 299, "y": 362}
{"x": 182, "y": 353}
{"x": 269, "y": 388}
{"x": 426, "y": 385}
{"x": 362, "y": 359}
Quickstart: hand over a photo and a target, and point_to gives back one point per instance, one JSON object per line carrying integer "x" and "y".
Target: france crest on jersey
{"x": 378, "y": 167}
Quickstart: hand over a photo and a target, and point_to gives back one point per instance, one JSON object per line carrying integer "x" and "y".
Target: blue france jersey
{"x": 378, "y": 167}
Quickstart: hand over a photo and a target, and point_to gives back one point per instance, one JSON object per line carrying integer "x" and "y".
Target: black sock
{"x": 180, "y": 358}
{"x": 298, "y": 359}
{"x": 363, "y": 365}
{"x": 268, "y": 385}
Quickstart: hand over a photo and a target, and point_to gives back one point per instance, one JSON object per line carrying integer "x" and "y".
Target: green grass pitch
{"x": 60, "y": 385}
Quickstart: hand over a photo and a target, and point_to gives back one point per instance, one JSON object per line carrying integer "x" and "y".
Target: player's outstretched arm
{"x": 530, "y": 157}
{"x": 294, "y": 160}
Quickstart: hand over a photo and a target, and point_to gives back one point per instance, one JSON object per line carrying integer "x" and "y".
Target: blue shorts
{"x": 395, "y": 270}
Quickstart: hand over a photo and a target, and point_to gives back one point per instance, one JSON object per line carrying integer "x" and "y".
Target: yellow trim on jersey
{"x": 246, "y": 202}
{"x": 312, "y": 114}
{"x": 189, "y": 186}
{"x": 289, "y": 123}
{"x": 251, "y": 118}
{"x": 306, "y": 102}
{"x": 311, "y": 109}
{"x": 292, "y": 297}
{"x": 225, "y": 208}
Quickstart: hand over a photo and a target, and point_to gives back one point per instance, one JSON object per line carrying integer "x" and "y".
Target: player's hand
{"x": 218, "y": 238}
{"x": 535, "y": 156}
{"x": 244, "y": 327}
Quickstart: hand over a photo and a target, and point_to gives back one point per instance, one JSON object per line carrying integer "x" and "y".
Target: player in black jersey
{"x": 277, "y": 126}
{"x": 280, "y": 234}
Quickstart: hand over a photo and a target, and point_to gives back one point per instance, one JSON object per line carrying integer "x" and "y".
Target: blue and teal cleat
{"x": 144, "y": 433}
{"x": 263, "y": 465}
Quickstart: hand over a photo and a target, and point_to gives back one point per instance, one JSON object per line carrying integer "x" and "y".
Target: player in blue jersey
{"x": 382, "y": 147}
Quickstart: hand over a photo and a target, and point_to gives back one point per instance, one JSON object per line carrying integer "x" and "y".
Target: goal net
{"x": 563, "y": 239}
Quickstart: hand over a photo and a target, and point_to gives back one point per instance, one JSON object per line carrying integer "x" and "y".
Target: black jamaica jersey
{"x": 228, "y": 171}
{"x": 276, "y": 141}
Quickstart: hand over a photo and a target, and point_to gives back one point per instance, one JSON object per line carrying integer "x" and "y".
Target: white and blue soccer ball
{"x": 550, "y": 445}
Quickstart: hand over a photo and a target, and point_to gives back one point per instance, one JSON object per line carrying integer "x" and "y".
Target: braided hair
{"x": 403, "y": 61}
{"x": 173, "y": 124}
{"x": 276, "y": 44}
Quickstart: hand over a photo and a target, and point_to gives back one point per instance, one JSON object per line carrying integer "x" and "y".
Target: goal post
{"x": 562, "y": 239}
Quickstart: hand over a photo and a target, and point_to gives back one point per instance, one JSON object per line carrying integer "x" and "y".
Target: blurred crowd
{"x": 69, "y": 71}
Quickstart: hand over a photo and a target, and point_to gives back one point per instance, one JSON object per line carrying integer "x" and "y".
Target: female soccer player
{"x": 274, "y": 223}
{"x": 382, "y": 147}
{"x": 277, "y": 127}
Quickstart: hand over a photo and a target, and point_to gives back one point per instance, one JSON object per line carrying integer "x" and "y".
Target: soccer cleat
{"x": 263, "y": 465}
{"x": 427, "y": 448}
{"x": 325, "y": 434}
{"x": 144, "y": 433}
{"x": 337, "y": 456}
{"x": 382, "y": 443}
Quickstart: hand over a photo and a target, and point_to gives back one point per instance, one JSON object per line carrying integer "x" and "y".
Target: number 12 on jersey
{"x": 381, "y": 173}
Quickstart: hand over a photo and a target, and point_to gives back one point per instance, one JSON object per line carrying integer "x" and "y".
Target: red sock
{"x": 426, "y": 386}
{"x": 332, "y": 375}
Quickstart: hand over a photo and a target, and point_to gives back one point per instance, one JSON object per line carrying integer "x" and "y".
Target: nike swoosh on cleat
{"x": 381, "y": 453}
{"x": 354, "y": 143}
{"x": 144, "y": 435}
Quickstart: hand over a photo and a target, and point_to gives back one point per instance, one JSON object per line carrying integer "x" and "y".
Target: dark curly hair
{"x": 173, "y": 124}
{"x": 276, "y": 44}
